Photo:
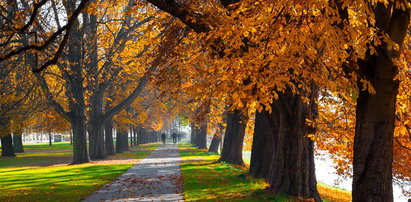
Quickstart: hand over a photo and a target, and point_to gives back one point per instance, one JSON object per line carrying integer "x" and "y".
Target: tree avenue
{"x": 286, "y": 77}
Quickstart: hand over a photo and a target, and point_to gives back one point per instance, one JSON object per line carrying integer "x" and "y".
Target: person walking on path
{"x": 155, "y": 178}
{"x": 174, "y": 135}
{"x": 163, "y": 138}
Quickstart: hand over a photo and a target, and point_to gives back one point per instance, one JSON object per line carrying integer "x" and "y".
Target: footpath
{"x": 155, "y": 178}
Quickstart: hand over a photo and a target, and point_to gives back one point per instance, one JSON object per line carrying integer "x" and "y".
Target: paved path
{"x": 155, "y": 178}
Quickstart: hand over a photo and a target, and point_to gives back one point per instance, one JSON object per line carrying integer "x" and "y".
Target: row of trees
{"x": 109, "y": 47}
{"x": 291, "y": 60}
{"x": 334, "y": 73}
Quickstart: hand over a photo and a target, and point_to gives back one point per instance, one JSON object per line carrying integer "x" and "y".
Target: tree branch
{"x": 50, "y": 98}
{"x": 65, "y": 28}
{"x": 193, "y": 19}
{"x": 126, "y": 102}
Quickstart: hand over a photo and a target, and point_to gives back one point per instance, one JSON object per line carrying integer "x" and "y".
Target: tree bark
{"x": 292, "y": 170}
{"x": 193, "y": 138}
{"x": 96, "y": 142}
{"x": 265, "y": 128}
{"x": 108, "y": 129}
{"x": 135, "y": 136}
{"x": 234, "y": 137}
{"x": 7, "y": 146}
{"x": 132, "y": 143}
{"x": 202, "y": 137}
{"x": 71, "y": 138}
{"x": 375, "y": 121}
{"x": 50, "y": 143}
{"x": 121, "y": 141}
{"x": 80, "y": 152}
{"x": 18, "y": 143}
{"x": 215, "y": 143}
{"x": 140, "y": 135}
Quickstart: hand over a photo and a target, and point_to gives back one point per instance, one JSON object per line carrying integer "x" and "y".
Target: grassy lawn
{"x": 41, "y": 176}
{"x": 45, "y": 146}
{"x": 210, "y": 180}
{"x": 205, "y": 179}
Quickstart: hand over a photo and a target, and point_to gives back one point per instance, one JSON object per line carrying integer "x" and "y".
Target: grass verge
{"x": 205, "y": 179}
{"x": 22, "y": 179}
{"x": 208, "y": 180}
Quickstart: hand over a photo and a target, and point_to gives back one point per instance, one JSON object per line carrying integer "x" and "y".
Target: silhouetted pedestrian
{"x": 174, "y": 135}
{"x": 163, "y": 138}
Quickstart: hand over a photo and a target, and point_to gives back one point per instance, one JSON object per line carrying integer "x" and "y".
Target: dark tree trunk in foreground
{"x": 108, "y": 132}
{"x": 95, "y": 124}
{"x": 50, "y": 143}
{"x": 292, "y": 170}
{"x": 234, "y": 137}
{"x": 202, "y": 137}
{"x": 375, "y": 121}
{"x": 215, "y": 143}
{"x": 96, "y": 137}
{"x": 18, "y": 143}
{"x": 80, "y": 153}
{"x": 76, "y": 92}
{"x": 266, "y": 126}
{"x": 7, "y": 146}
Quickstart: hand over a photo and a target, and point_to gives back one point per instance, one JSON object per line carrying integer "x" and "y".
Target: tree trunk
{"x": 215, "y": 143}
{"x": 202, "y": 137}
{"x": 78, "y": 120}
{"x": 292, "y": 170}
{"x": 71, "y": 138}
{"x": 121, "y": 141}
{"x": 135, "y": 136}
{"x": 7, "y": 146}
{"x": 265, "y": 128}
{"x": 193, "y": 138}
{"x": 96, "y": 143}
{"x": 126, "y": 140}
{"x": 95, "y": 127}
{"x": 131, "y": 136}
{"x": 234, "y": 137}
{"x": 50, "y": 144}
{"x": 75, "y": 91}
{"x": 140, "y": 135}
{"x": 18, "y": 143}
{"x": 108, "y": 129}
{"x": 80, "y": 153}
{"x": 375, "y": 115}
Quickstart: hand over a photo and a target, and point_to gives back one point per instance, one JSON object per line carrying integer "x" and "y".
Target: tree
{"x": 232, "y": 151}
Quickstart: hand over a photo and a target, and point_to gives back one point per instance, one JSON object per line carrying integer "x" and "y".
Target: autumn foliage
{"x": 142, "y": 64}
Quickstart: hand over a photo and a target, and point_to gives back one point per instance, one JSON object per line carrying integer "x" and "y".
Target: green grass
{"x": 63, "y": 183}
{"x": 45, "y": 146}
{"x": 217, "y": 181}
{"x": 138, "y": 152}
{"x": 35, "y": 159}
{"x": 205, "y": 179}
{"x": 25, "y": 178}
